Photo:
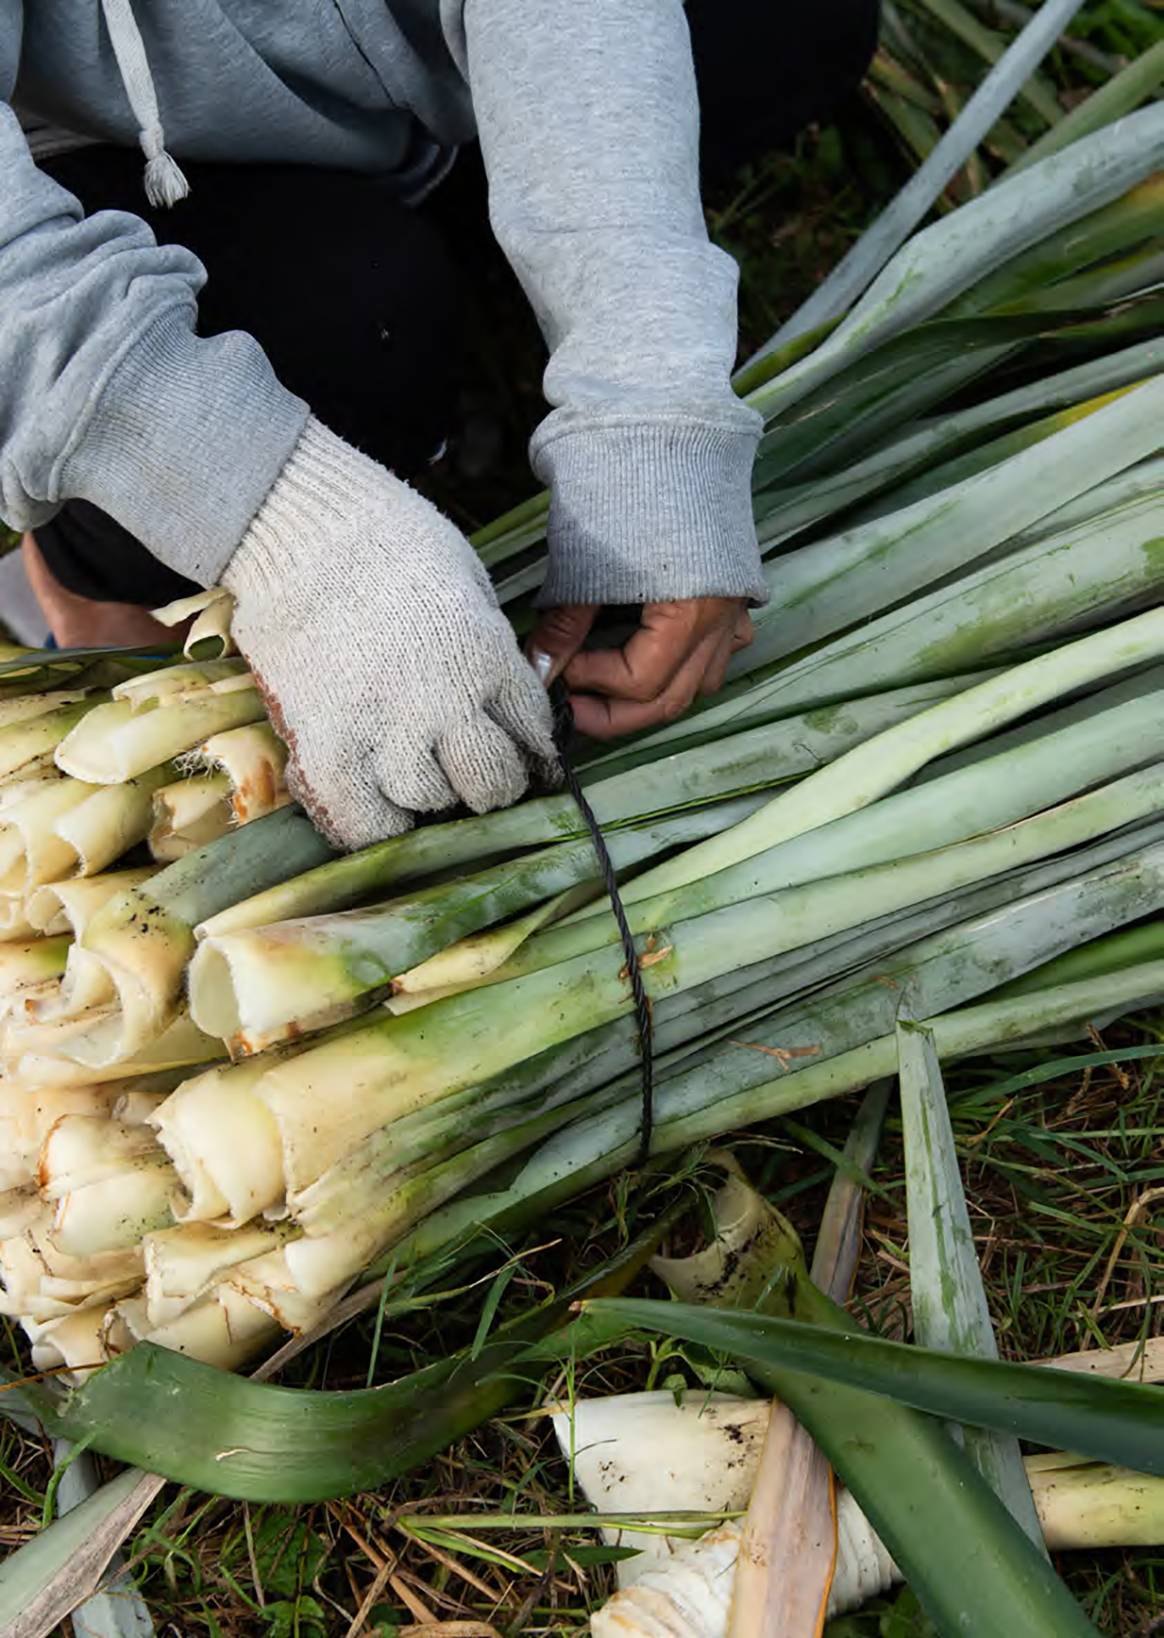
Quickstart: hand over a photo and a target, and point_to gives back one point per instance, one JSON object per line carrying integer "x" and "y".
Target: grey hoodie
{"x": 587, "y": 117}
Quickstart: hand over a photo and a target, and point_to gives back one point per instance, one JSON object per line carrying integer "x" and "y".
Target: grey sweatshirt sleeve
{"x": 106, "y": 394}
{"x": 589, "y": 129}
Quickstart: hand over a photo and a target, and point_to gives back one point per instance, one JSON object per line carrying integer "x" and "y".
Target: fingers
{"x": 489, "y": 756}
{"x": 606, "y": 718}
{"x": 366, "y": 815}
{"x": 731, "y": 642}
{"x": 681, "y": 650}
{"x": 557, "y": 637}
{"x": 522, "y": 708}
{"x": 483, "y": 759}
{"x": 646, "y": 668}
{"x": 415, "y": 780}
{"x": 483, "y": 764}
{"x": 713, "y": 678}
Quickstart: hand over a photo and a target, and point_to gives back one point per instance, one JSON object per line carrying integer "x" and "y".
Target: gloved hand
{"x": 387, "y": 665}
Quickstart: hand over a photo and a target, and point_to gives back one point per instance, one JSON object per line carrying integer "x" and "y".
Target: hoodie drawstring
{"x": 164, "y": 182}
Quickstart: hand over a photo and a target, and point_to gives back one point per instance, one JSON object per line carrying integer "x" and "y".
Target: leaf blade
{"x": 1113, "y": 1421}
{"x": 950, "y": 1310}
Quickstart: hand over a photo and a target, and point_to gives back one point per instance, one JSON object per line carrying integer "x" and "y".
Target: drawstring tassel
{"x": 164, "y": 181}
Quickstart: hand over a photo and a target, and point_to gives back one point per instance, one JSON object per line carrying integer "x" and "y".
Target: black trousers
{"x": 356, "y": 299}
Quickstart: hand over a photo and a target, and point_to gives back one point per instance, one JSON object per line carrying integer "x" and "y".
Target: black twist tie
{"x": 564, "y": 740}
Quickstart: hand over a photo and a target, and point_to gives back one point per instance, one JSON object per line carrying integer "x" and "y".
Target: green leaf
{"x": 1067, "y": 257}
{"x": 907, "y": 1618}
{"x": 947, "y": 1531}
{"x": 235, "y": 1437}
{"x": 827, "y": 428}
{"x": 869, "y": 256}
{"x": 894, "y": 466}
{"x": 1123, "y": 92}
{"x": 1038, "y": 93}
{"x": 950, "y": 521}
{"x": 41, "y": 670}
{"x": 1030, "y": 594}
{"x": 950, "y": 1311}
{"x": 838, "y": 1241}
{"x": 295, "y": 1618}
{"x": 288, "y": 1555}
{"x": 1117, "y": 1422}
{"x": 944, "y": 260}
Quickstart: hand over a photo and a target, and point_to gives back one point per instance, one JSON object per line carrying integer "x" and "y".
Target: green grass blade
{"x": 728, "y": 1093}
{"x": 891, "y": 385}
{"x": 1107, "y": 954}
{"x": 1127, "y": 278}
{"x": 981, "y": 796}
{"x": 1138, "y": 484}
{"x": 1123, "y": 92}
{"x": 838, "y": 1241}
{"x": 975, "y": 504}
{"x": 944, "y": 260}
{"x": 997, "y": 454}
{"x": 767, "y": 365}
{"x": 239, "y": 864}
{"x": 869, "y": 256}
{"x": 945, "y": 970}
{"x": 886, "y": 70}
{"x": 1096, "y": 567}
{"x": 1101, "y": 63}
{"x": 919, "y": 132}
{"x": 949, "y": 1301}
{"x": 734, "y": 1086}
{"x": 621, "y": 792}
{"x": 782, "y": 511}
{"x": 1037, "y": 92}
{"x": 499, "y": 1028}
{"x": 850, "y": 720}
{"x": 36, "y": 671}
{"x": 872, "y": 770}
{"x": 523, "y": 525}
{"x": 689, "y": 1110}
{"x": 1119, "y": 1422}
{"x": 266, "y": 983}
{"x": 1118, "y": 226}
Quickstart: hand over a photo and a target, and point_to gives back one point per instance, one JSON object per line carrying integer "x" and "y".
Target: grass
{"x": 1062, "y": 1158}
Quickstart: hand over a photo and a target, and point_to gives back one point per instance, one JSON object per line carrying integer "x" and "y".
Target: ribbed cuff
{"x": 323, "y": 480}
{"x": 645, "y": 512}
{"x": 186, "y": 441}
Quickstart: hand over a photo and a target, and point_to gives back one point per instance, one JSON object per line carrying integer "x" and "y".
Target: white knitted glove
{"x": 387, "y": 666}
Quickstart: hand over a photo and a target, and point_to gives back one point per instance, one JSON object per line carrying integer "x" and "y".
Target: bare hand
{"x": 680, "y": 650}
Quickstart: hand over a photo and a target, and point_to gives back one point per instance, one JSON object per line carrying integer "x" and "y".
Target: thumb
{"x": 557, "y": 637}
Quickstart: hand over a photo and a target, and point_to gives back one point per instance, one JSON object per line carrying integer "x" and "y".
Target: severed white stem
{"x": 209, "y": 636}
{"x": 188, "y": 814}
{"x": 115, "y": 742}
{"x": 254, "y": 760}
